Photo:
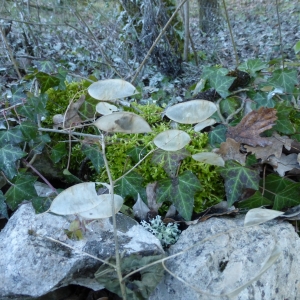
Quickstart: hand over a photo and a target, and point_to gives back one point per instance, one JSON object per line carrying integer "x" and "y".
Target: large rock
{"x": 231, "y": 259}
{"x": 32, "y": 265}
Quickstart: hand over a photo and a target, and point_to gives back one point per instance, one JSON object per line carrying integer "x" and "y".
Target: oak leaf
{"x": 230, "y": 150}
{"x": 249, "y": 129}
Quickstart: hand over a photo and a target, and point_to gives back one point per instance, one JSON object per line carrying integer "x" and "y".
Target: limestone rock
{"x": 32, "y": 265}
{"x": 232, "y": 257}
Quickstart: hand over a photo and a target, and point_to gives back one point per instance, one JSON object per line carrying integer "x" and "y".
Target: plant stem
{"x": 111, "y": 190}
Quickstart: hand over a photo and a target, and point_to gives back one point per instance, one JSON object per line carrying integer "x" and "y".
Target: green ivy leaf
{"x": 217, "y": 136}
{"x": 237, "y": 178}
{"x": 3, "y": 206}
{"x": 29, "y": 130}
{"x": 37, "y": 145}
{"x": 95, "y": 155}
{"x": 221, "y": 84}
{"x": 26, "y": 111}
{"x": 58, "y": 152}
{"x": 282, "y": 192}
{"x": 170, "y": 160}
{"x": 229, "y": 106}
{"x": 22, "y": 189}
{"x": 262, "y": 100}
{"x": 17, "y": 93}
{"x": 136, "y": 153}
{"x": 283, "y": 123}
{"x": 130, "y": 186}
{"x": 44, "y": 66}
{"x": 61, "y": 75}
{"x": 41, "y": 204}
{"x": 46, "y": 81}
{"x": 252, "y": 66}
{"x": 285, "y": 78}
{"x": 8, "y": 157}
{"x": 12, "y": 136}
{"x": 180, "y": 191}
{"x": 257, "y": 200}
{"x": 209, "y": 72}
{"x": 38, "y": 104}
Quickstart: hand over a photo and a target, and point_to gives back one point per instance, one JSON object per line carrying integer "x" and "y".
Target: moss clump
{"x": 120, "y": 144}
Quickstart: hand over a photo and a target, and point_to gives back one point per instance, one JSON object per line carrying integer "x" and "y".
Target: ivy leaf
{"x": 29, "y": 130}
{"x": 22, "y": 189}
{"x": 18, "y": 95}
{"x": 44, "y": 66}
{"x": 170, "y": 160}
{"x": 41, "y": 204}
{"x": 282, "y": 192}
{"x": 46, "y": 81}
{"x": 217, "y": 136}
{"x": 61, "y": 75}
{"x": 262, "y": 100}
{"x": 136, "y": 153}
{"x": 252, "y": 66}
{"x": 93, "y": 153}
{"x": 12, "y": 136}
{"x": 297, "y": 47}
{"x": 3, "y": 206}
{"x": 8, "y": 157}
{"x": 209, "y": 72}
{"x": 38, "y": 104}
{"x": 58, "y": 152}
{"x": 285, "y": 78}
{"x": 130, "y": 186}
{"x": 229, "y": 106}
{"x": 257, "y": 200}
{"x": 221, "y": 84}
{"x": 283, "y": 124}
{"x": 237, "y": 178}
{"x": 26, "y": 111}
{"x": 180, "y": 191}
{"x": 37, "y": 145}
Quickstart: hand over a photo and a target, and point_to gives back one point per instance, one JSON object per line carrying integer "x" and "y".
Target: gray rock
{"x": 32, "y": 265}
{"x": 231, "y": 259}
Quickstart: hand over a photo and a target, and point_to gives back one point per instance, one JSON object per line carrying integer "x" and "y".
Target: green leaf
{"x": 58, "y": 152}
{"x": 29, "y": 130}
{"x": 37, "y": 145}
{"x": 237, "y": 178}
{"x": 262, "y": 100}
{"x": 130, "y": 186}
{"x": 180, "y": 191}
{"x": 3, "y": 206}
{"x": 229, "y": 106}
{"x": 285, "y": 78}
{"x": 95, "y": 155}
{"x": 209, "y": 72}
{"x": 137, "y": 287}
{"x": 26, "y": 111}
{"x": 170, "y": 160}
{"x": 283, "y": 123}
{"x": 8, "y": 157}
{"x": 61, "y": 75}
{"x": 46, "y": 81}
{"x": 221, "y": 84}
{"x": 17, "y": 93}
{"x": 282, "y": 192}
{"x": 44, "y": 66}
{"x": 12, "y": 136}
{"x": 136, "y": 153}
{"x": 217, "y": 136}
{"x": 297, "y": 47}
{"x": 70, "y": 177}
{"x": 184, "y": 192}
{"x": 22, "y": 189}
{"x": 38, "y": 104}
{"x": 257, "y": 200}
{"x": 252, "y": 66}
{"x": 41, "y": 204}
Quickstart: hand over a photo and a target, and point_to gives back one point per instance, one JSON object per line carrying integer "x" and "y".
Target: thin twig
{"x": 111, "y": 190}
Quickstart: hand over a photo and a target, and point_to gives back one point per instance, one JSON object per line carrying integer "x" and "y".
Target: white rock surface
{"x": 230, "y": 260}
{"x": 32, "y": 266}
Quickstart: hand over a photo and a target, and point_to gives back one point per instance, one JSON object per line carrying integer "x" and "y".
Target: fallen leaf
{"x": 71, "y": 116}
{"x": 230, "y": 150}
{"x": 151, "y": 197}
{"x": 284, "y": 164}
{"x": 254, "y": 123}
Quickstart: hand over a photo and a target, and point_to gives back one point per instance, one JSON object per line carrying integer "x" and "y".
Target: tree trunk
{"x": 209, "y": 15}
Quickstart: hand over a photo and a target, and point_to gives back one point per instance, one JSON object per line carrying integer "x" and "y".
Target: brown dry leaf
{"x": 151, "y": 197}
{"x": 231, "y": 150}
{"x": 71, "y": 116}
{"x": 275, "y": 148}
{"x": 249, "y": 129}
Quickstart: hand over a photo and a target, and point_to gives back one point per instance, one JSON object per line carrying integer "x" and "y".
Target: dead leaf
{"x": 249, "y": 129}
{"x": 151, "y": 197}
{"x": 71, "y": 117}
{"x": 284, "y": 164}
{"x": 231, "y": 150}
